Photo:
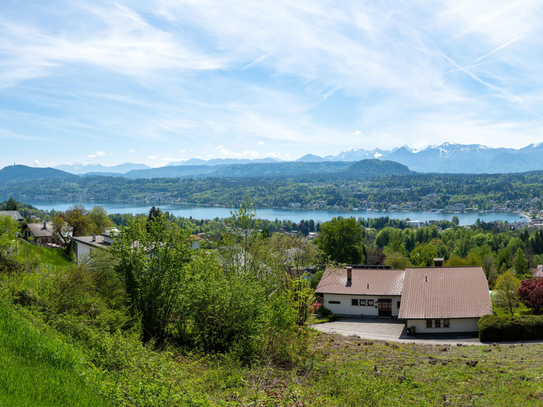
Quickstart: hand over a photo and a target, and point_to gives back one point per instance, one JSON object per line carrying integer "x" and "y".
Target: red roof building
{"x": 431, "y": 299}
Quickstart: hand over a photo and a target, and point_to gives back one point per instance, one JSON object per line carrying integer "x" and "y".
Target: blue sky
{"x": 165, "y": 80}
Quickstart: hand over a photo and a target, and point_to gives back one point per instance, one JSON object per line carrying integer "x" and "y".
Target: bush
{"x": 507, "y": 328}
{"x": 323, "y": 311}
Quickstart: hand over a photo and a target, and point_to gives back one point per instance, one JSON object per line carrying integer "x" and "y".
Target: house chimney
{"x": 426, "y": 278}
{"x": 44, "y": 225}
{"x": 438, "y": 262}
{"x": 349, "y": 274}
{"x": 94, "y": 237}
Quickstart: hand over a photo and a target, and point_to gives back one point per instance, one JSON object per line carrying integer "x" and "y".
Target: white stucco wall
{"x": 82, "y": 250}
{"x": 345, "y": 307}
{"x": 455, "y": 325}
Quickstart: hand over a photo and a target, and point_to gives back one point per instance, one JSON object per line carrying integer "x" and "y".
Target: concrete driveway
{"x": 388, "y": 330}
{"x": 378, "y": 329}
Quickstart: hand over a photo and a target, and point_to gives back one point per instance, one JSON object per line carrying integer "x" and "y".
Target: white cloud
{"x": 114, "y": 37}
{"x": 246, "y": 154}
{"x": 131, "y": 151}
{"x": 169, "y": 74}
{"x": 97, "y": 154}
{"x": 152, "y": 157}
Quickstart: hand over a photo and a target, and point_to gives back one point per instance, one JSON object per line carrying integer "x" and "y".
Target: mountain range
{"x": 363, "y": 168}
{"x": 79, "y": 168}
{"x": 444, "y": 158}
{"x": 454, "y": 158}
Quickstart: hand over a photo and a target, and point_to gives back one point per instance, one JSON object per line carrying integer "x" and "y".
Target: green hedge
{"x": 518, "y": 328}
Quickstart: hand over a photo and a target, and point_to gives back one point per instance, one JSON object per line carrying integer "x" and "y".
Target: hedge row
{"x": 519, "y": 328}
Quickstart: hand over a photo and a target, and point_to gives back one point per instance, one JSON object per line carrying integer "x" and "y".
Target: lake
{"x": 211, "y": 212}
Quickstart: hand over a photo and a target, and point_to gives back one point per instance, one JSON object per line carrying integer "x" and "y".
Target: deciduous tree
{"x": 341, "y": 239}
{"x": 505, "y": 296}
{"x": 531, "y": 292}
{"x": 100, "y": 220}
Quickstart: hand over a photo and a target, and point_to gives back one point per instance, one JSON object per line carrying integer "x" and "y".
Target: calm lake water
{"x": 211, "y": 212}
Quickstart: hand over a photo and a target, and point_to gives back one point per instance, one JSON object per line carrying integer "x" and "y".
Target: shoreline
{"x": 283, "y": 208}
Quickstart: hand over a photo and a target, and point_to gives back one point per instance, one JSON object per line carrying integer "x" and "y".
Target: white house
{"x": 362, "y": 292}
{"x": 445, "y": 299}
{"x": 85, "y": 244}
{"x": 432, "y": 299}
{"x": 416, "y": 224}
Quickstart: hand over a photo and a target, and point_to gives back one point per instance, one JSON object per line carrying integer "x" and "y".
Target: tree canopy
{"x": 341, "y": 240}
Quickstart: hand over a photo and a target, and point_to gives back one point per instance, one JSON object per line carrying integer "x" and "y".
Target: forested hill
{"x": 371, "y": 168}
{"x": 363, "y": 168}
{"x": 180, "y": 171}
{"x": 376, "y": 168}
{"x": 21, "y": 173}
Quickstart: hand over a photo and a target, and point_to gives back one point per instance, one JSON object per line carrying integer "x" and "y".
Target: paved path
{"x": 386, "y": 330}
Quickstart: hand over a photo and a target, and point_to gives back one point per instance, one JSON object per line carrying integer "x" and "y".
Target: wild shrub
{"x": 151, "y": 260}
{"x": 226, "y": 311}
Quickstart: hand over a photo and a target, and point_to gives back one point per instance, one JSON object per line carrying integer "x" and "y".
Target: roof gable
{"x": 15, "y": 215}
{"x": 364, "y": 282}
{"x": 445, "y": 292}
{"x": 40, "y": 230}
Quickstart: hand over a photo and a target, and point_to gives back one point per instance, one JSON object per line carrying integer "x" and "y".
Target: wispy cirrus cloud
{"x": 161, "y": 76}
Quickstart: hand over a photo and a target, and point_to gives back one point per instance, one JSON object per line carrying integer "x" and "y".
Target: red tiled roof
{"x": 445, "y": 292}
{"x": 364, "y": 282}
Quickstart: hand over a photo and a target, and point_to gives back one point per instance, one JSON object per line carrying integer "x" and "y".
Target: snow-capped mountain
{"x": 454, "y": 158}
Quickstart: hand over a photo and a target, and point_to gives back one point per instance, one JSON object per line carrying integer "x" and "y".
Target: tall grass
{"x": 51, "y": 257}
{"x": 39, "y": 369}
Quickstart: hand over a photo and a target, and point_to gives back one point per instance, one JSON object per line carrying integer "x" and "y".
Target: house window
{"x": 399, "y": 304}
{"x": 362, "y": 302}
{"x": 354, "y": 302}
{"x": 334, "y": 302}
{"x": 428, "y": 323}
{"x": 437, "y": 323}
{"x": 370, "y": 303}
{"x": 445, "y": 323}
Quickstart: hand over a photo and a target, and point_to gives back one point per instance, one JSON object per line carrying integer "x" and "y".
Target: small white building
{"x": 416, "y": 224}
{"x": 85, "y": 244}
{"x": 431, "y": 299}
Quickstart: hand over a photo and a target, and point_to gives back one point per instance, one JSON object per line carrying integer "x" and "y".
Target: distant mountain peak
{"x": 310, "y": 158}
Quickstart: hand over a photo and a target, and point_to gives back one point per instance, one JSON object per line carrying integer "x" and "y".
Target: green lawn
{"x": 518, "y": 311}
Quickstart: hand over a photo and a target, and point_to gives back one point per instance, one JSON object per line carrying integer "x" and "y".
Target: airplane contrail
{"x": 500, "y": 47}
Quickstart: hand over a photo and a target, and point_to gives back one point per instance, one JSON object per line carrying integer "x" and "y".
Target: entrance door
{"x": 385, "y": 308}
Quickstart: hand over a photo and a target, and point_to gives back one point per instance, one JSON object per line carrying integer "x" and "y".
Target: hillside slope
{"x": 24, "y": 173}
{"x": 376, "y": 168}
{"x": 43, "y": 369}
